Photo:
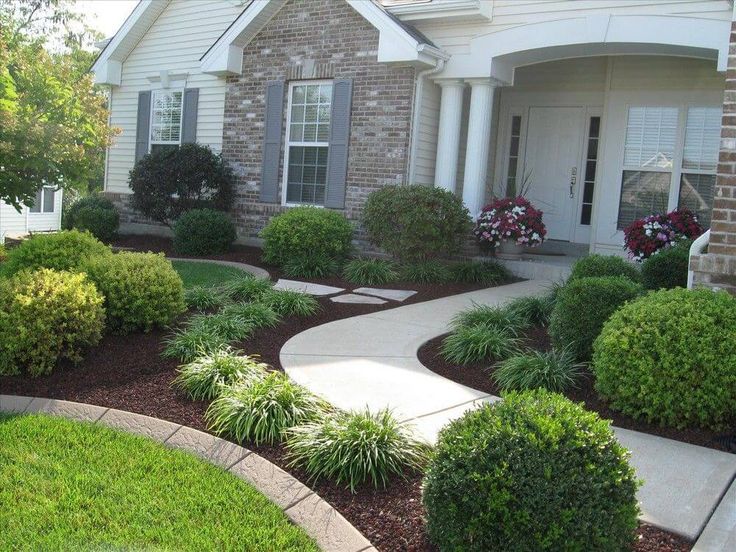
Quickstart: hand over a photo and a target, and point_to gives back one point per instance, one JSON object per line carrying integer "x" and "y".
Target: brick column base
{"x": 715, "y": 271}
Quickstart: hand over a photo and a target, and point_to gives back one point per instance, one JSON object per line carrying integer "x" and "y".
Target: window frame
{"x": 44, "y": 190}
{"x": 288, "y": 144}
{"x": 151, "y": 141}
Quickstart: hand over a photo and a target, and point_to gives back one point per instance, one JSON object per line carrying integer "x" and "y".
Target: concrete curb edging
{"x": 305, "y": 508}
{"x": 256, "y": 271}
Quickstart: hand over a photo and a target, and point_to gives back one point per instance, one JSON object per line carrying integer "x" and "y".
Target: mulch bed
{"x": 128, "y": 373}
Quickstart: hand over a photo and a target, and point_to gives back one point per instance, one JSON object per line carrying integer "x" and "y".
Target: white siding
{"x": 11, "y": 221}
{"x": 175, "y": 42}
{"x": 426, "y": 147}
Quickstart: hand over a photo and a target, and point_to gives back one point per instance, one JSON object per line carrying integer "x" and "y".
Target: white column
{"x": 448, "y": 135}
{"x": 479, "y": 140}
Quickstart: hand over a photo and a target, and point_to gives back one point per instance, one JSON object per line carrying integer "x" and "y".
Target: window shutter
{"x": 142, "y": 129}
{"x": 274, "y": 115}
{"x": 189, "y": 116}
{"x": 337, "y": 158}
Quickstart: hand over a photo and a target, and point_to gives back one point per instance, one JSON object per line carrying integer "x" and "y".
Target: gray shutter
{"x": 274, "y": 115}
{"x": 189, "y": 116}
{"x": 337, "y": 158}
{"x": 142, "y": 129}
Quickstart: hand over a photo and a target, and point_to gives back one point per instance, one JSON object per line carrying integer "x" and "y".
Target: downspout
{"x": 697, "y": 248}
{"x": 414, "y": 137}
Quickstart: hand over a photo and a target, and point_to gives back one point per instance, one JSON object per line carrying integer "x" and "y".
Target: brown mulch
{"x": 128, "y": 373}
{"x": 477, "y": 376}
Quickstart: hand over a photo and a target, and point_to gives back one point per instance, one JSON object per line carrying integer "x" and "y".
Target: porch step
{"x": 540, "y": 267}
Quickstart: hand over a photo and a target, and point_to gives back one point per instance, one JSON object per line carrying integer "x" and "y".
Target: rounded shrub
{"x": 604, "y": 265}
{"x": 46, "y": 316}
{"x": 141, "y": 290}
{"x": 581, "y": 308}
{"x": 532, "y": 472}
{"x": 414, "y": 223}
{"x": 67, "y": 250}
{"x": 306, "y": 232}
{"x": 670, "y": 358}
{"x": 667, "y": 268}
{"x": 203, "y": 232}
{"x": 94, "y": 214}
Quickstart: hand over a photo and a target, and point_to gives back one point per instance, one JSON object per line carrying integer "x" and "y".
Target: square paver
{"x": 391, "y": 294}
{"x": 307, "y": 287}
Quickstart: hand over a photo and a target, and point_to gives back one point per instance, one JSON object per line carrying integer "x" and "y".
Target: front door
{"x": 552, "y": 166}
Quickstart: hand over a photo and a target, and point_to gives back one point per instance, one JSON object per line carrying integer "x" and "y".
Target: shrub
{"x": 354, "y": 447}
{"x": 291, "y": 303}
{"x": 260, "y": 411}
{"x": 479, "y": 272}
{"x": 415, "y": 223}
{"x": 469, "y": 344}
{"x": 247, "y": 288}
{"x": 142, "y": 290}
{"x": 313, "y": 266}
{"x": 491, "y": 316}
{"x": 94, "y": 214}
{"x": 670, "y": 358}
{"x": 582, "y": 307}
{"x": 3, "y": 253}
{"x": 554, "y": 370}
{"x": 595, "y": 265}
{"x": 425, "y": 272}
{"x": 204, "y": 378}
{"x": 189, "y": 343}
{"x": 204, "y": 298}
{"x": 203, "y": 232}
{"x": 257, "y": 315}
{"x": 167, "y": 184}
{"x": 67, "y": 250}
{"x": 532, "y": 310}
{"x": 305, "y": 232}
{"x": 46, "y": 316}
{"x": 532, "y": 472}
{"x": 668, "y": 268}
{"x": 370, "y": 272}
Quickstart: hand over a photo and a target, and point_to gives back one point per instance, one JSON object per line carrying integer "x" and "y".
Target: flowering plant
{"x": 644, "y": 237}
{"x": 510, "y": 219}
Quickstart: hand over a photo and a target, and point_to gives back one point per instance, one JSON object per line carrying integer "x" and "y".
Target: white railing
{"x": 697, "y": 247}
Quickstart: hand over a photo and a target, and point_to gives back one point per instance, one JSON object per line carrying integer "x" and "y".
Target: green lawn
{"x": 70, "y": 486}
{"x": 205, "y": 274}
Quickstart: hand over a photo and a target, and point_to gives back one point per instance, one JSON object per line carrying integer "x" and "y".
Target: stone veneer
{"x": 318, "y": 39}
{"x": 717, "y": 268}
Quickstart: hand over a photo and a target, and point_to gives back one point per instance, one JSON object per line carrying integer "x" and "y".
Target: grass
{"x": 553, "y": 370}
{"x": 426, "y": 272}
{"x": 75, "y": 486}
{"x": 195, "y": 274}
{"x": 469, "y": 344}
{"x": 290, "y": 303}
{"x": 490, "y": 315}
{"x": 370, "y": 272}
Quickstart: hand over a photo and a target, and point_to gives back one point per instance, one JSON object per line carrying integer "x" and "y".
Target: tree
{"x": 53, "y": 121}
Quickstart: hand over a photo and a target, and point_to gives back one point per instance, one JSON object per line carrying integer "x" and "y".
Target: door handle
{"x": 573, "y": 180}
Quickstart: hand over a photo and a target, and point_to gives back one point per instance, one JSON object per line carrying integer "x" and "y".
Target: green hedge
{"x": 94, "y": 214}
{"x": 667, "y": 269}
{"x": 604, "y": 265}
{"x": 203, "y": 232}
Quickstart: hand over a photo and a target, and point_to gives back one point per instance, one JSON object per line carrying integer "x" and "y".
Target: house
{"x": 601, "y": 111}
{"x": 43, "y": 216}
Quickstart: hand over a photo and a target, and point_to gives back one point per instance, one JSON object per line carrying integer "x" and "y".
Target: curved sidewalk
{"x": 370, "y": 360}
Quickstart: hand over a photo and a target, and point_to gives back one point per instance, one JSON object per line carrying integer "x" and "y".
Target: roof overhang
{"x": 395, "y": 43}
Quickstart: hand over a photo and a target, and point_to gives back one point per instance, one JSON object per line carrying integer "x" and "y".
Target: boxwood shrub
{"x": 46, "y": 316}
{"x": 532, "y": 472}
{"x": 667, "y": 268}
{"x": 203, "y": 232}
{"x": 415, "y": 223}
{"x": 604, "y": 265}
{"x": 582, "y": 307}
{"x": 95, "y": 214}
{"x": 670, "y": 358}
{"x": 142, "y": 290}
{"x": 67, "y": 250}
{"x": 306, "y": 232}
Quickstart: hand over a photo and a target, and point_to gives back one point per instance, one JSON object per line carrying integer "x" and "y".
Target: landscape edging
{"x": 305, "y": 508}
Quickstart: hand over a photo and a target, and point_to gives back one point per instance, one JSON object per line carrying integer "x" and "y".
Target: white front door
{"x": 552, "y": 168}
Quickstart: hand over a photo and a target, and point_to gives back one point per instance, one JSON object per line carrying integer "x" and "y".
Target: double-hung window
{"x": 44, "y": 202}
{"x": 307, "y": 142}
{"x": 166, "y": 117}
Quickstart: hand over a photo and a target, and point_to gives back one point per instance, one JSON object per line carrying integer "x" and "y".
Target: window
{"x": 591, "y": 161}
{"x": 514, "y": 147}
{"x": 166, "y": 111}
{"x": 44, "y": 202}
{"x": 699, "y": 161}
{"x": 307, "y": 142}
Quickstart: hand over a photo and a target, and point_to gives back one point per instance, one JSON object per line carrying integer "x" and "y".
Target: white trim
{"x": 458, "y": 10}
{"x": 43, "y": 201}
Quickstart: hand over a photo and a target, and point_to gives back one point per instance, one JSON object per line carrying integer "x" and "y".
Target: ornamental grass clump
{"x": 203, "y": 298}
{"x": 468, "y": 344}
{"x": 258, "y": 315}
{"x": 261, "y": 411}
{"x": 311, "y": 266}
{"x": 479, "y": 272}
{"x": 352, "y": 448}
{"x": 246, "y": 288}
{"x": 205, "y": 377}
{"x": 370, "y": 272}
{"x": 426, "y": 272}
{"x": 188, "y": 343}
{"x": 290, "y": 303}
{"x": 532, "y": 310}
{"x": 532, "y": 472}
{"x": 491, "y": 316}
{"x": 230, "y": 328}
{"x": 554, "y": 370}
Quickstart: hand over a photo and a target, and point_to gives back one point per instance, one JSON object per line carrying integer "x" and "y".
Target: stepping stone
{"x": 307, "y": 287}
{"x": 392, "y": 294}
{"x": 357, "y": 299}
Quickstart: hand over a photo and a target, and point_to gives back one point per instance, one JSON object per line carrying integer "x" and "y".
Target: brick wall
{"x": 315, "y": 39}
{"x": 717, "y": 268}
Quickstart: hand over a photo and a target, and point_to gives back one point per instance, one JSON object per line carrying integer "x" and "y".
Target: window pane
{"x": 296, "y": 133}
{"x": 299, "y": 94}
{"x": 297, "y": 113}
{"x": 37, "y": 202}
{"x": 642, "y": 194}
{"x": 166, "y": 116}
{"x": 323, "y": 133}
{"x": 702, "y": 138}
{"x": 307, "y": 175}
{"x": 48, "y": 200}
{"x": 696, "y": 194}
{"x": 651, "y": 134}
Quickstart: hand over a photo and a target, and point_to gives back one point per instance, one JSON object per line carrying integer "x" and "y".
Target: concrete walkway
{"x": 371, "y": 360}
